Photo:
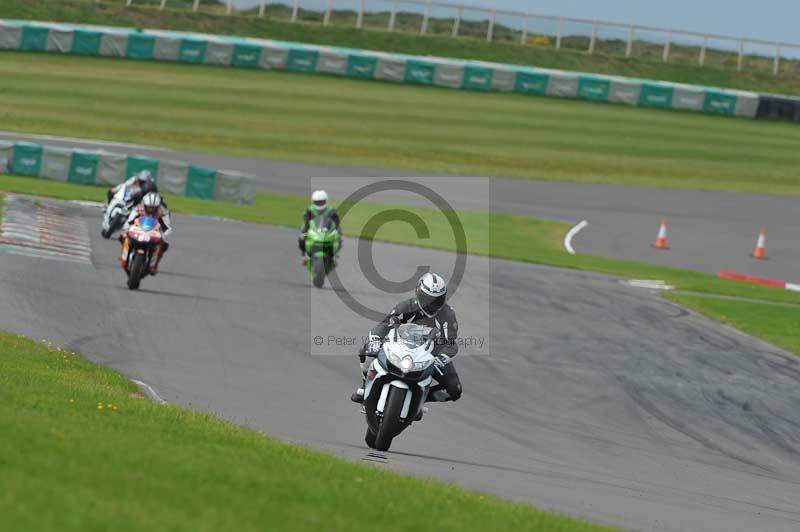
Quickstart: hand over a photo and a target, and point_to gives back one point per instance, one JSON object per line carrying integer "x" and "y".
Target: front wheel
{"x": 113, "y": 225}
{"x": 318, "y": 271}
{"x": 136, "y": 271}
{"x": 390, "y": 424}
{"x": 369, "y": 438}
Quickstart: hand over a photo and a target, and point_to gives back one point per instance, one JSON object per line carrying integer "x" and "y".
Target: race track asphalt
{"x": 592, "y": 398}
{"x": 708, "y": 231}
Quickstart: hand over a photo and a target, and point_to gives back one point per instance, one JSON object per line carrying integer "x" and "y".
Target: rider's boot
{"x": 153, "y": 270}
{"x": 438, "y": 396}
{"x": 358, "y": 395}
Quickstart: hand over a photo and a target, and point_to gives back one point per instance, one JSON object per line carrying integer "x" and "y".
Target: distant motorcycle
{"x": 397, "y": 383}
{"x": 143, "y": 238}
{"x": 322, "y": 245}
{"x": 117, "y": 211}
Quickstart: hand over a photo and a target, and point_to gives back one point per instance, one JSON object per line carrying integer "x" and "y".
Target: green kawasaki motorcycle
{"x": 322, "y": 245}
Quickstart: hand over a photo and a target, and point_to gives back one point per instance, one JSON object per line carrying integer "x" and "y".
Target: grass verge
{"x": 776, "y": 324}
{"x": 500, "y": 235}
{"x": 80, "y": 449}
{"x": 322, "y": 119}
{"x": 720, "y": 69}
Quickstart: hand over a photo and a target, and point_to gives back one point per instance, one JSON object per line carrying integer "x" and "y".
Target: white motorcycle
{"x": 117, "y": 210}
{"x": 397, "y": 383}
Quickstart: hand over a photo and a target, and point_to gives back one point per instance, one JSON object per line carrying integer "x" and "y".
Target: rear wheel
{"x": 318, "y": 271}
{"x": 136, "y": 271}
{"x": 390, "y": 424}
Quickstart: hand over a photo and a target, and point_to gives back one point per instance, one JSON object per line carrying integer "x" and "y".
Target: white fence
{"x": 455, "y": 20}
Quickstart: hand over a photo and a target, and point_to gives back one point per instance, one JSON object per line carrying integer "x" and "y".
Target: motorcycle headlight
{"x": 403, "y": 363}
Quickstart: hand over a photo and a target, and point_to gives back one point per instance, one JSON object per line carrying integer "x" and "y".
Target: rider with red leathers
{"x": 152, "y": 205}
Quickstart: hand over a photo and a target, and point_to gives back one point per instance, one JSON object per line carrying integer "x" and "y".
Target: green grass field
{"x": 80, "y": 449}
{"x": 331, "y": 120}
{"x": 719, "y": 71}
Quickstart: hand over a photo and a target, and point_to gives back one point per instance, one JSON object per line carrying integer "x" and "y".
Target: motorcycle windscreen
{"x": 148, "y": 223}
{"x": 323, "y": 222}
{"x": 412, "y": 335}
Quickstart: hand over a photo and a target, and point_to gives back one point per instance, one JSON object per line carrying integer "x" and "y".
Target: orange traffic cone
{"x": 760, "y": 251}
{"x": 661, "y": 240}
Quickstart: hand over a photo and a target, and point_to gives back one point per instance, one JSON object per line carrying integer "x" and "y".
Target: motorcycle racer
{"x": 139, "y": 185}
{"x": 427, "y": 307}
{"x": 152, "y": 205}
{"x": 319, "y": 205}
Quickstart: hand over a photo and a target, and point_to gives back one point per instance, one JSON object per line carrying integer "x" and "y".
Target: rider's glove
{"x": 441, "y": 361}
{"x": 374, "y": 345}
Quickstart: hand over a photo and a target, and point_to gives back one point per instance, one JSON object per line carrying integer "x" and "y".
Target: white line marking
{"x": 150, "y": 392}
{"x": 652, "y": 284}
{"x": 91, "y": 142}
{"x": 571, "y": 234}
{"x": 793, "y": 287}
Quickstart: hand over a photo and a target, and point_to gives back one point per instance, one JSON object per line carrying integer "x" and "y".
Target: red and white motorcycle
{"x": 141, "y": 243}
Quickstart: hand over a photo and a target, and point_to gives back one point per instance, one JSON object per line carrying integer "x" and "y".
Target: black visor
{"x": 320, "y": 203}
{"x": 430, "y": 304}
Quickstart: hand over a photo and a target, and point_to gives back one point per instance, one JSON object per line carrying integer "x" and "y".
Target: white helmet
{"x": 431, "y": 294}
{"x": 151, "y": 203}
{"x": 319, "y": 199}
{"x": 144, "y": 176}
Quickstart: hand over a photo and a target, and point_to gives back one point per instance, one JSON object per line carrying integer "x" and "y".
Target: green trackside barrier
{"x": 420, "y": 72}
{"x": 86, "y": 42}
{"x": 593, "y": 88}
{"x": 246, "y": 56}
{"x": 719, "y": 103}
{"x": 361, "y": 66}
{"x": 532, "y": 83}
{"x": 34, "y": 38}
{"x": 26, "y": 159}
{"x": 299, "y": 57}
{"x": 140, "y": 46}
{"x": 136, "y": 163}
{"x": 83, "y": 168}
{"x": 653, "y": 95}
{"x": 477, "y": 78}
{"x": 192, "y": 51}
{"x": 301, "y": 60}
{"x": 201, "y": 182}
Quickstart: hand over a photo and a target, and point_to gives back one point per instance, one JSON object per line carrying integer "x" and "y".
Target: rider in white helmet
{"x": 319, "y": 204}
{"x": 428, "y": 307}
{"x": 138, "y": 185}
{"x": 152, "y": 205}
